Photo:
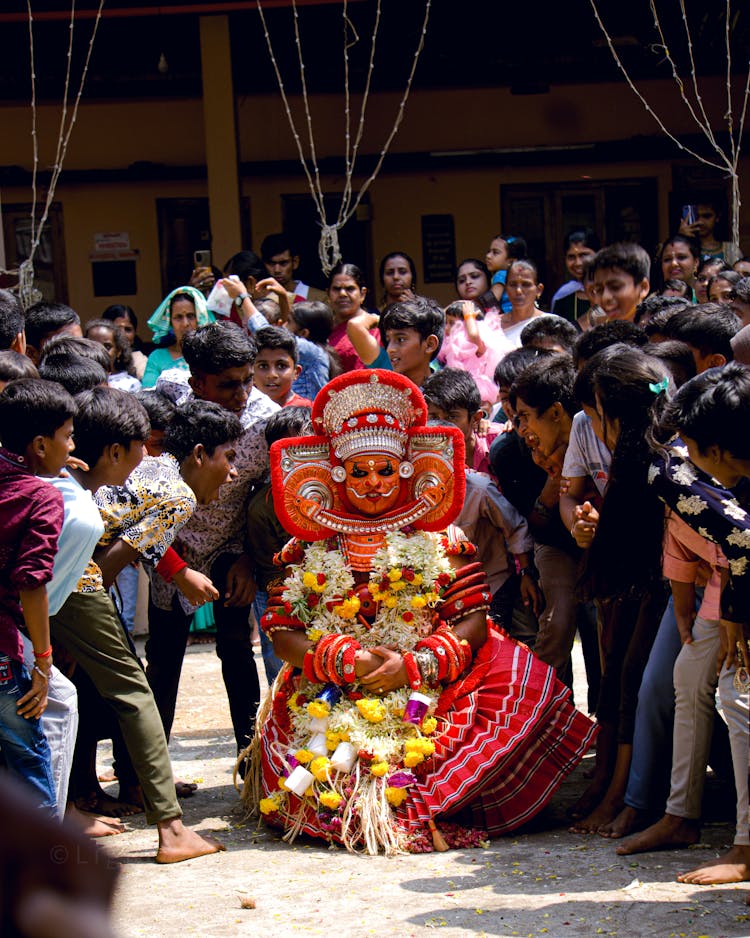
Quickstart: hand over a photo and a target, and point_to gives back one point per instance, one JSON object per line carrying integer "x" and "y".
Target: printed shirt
{"x": 146, "y": 513}
{"x": 31, "y": 518}
{"x": 219, "y": 527}
{"x": 714, "y": 512}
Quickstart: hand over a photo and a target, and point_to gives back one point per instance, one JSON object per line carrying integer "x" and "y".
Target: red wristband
{"x": 170, "y": 564}
{"x": 43, "y": 654}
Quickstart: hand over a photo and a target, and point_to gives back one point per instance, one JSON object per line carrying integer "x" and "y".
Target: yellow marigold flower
{"x": 319, "y": 587}
{"x": 332, "y": 740}
{"x": 282, "y": 782}
{"x": 398, "y": 585}
{"x": 429, "y": 725}
{"x": 378, "y": 769}
{"x": 413, "y": 758}
{"x": 391, "y": 602}
{"x": 411, "y": 745}
{"x": 348, "y": 608}
{"x": 426, "y": 747}
{"x": 268, "y": 805}
{"x": 309, "y": 580}
{"x": 314, "y": 634}
{"x": 394, "y": 573}
{"x": 318, "y": 709}
{"x": 319, "y": 767}
{"x": 418, "y": 579}
{"x": 344, "y": 736}
{"x": 380, "y": 596}
{"x": 303, "y": 756}
{"x": 372, "y": 710}
{"x": 418, "y": 602}
{"x": 294, "y": 702}
{"x": 310, "y": 793}
{"x": 331, "y": 799}
{"x": 395, "y": 796}
{"x": 397, "y": 712}
{"x": 431, "y": 597}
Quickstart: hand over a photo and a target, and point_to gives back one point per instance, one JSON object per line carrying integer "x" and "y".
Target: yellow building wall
{"x": 114, "y": 135}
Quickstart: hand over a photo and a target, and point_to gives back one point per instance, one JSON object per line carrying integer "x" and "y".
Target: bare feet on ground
{"x": 91, "y": 825}
{"x": 668, "y": 832}
{"x": 589, "y": 799}
{"x": 178, "y": 843}
{"x": 99, "y": 802}
{"x": 132, "y": 794}
{"x": 627, "y": 821}
{"x": 731, "y": 867}
{"x": 603, "y": 814}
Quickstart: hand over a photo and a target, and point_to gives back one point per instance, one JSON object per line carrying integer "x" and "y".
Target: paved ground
{"x": 541, "y": 882}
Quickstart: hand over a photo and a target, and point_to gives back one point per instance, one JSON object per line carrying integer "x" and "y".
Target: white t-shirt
{"x": 586, "y": 454}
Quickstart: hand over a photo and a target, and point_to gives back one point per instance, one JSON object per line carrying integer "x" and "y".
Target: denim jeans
{"x": 22, "y": 741}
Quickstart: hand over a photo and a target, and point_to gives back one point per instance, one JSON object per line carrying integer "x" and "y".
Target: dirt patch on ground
{"x": 542, "y": 881}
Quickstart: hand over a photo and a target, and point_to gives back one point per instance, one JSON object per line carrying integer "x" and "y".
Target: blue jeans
{"x": 271, "y": 663}
{"x": 22, "y": 741}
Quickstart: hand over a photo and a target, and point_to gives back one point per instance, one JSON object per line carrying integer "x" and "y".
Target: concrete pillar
{"x": 220, "y": 127}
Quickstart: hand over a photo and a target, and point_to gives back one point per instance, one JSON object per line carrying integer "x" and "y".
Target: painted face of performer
{"x": 372, "y": 483}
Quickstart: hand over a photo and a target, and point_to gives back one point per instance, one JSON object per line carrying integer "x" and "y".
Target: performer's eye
{"x": 387, "y": 470}
{"x": 357, "y": 473}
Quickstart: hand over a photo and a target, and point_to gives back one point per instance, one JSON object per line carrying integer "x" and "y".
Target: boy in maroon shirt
{"x": 36, "y": 429}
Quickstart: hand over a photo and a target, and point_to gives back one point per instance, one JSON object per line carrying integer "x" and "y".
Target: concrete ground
{"x": 542, "y": 881}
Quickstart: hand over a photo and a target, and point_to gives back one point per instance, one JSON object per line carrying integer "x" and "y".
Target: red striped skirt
{"x": 510, "y": 736}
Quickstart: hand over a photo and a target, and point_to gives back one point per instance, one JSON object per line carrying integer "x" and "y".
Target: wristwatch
{"x": 239, "y": 300}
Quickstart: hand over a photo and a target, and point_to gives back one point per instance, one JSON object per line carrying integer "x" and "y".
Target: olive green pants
{"x": 88, "y": 628}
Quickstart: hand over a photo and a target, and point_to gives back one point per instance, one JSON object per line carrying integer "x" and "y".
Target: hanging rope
{"x": 28, "y": 294}
{"x": 328, "y": 247}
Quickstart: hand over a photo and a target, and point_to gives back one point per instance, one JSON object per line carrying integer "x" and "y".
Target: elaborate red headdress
{"x": 368, "y": 411}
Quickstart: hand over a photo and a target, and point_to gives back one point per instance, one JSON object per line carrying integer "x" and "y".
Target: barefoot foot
{"x": 91, "y": 825}
{"x": 589, "y": 799}
{"x": 669, "y": 832}
{"x": 178, "y": 843}
{"x": 99, "y": 802}
{"x": 731, "y": 867}
{"x": 627, "y": 821}
{"x": 603, "y": 814}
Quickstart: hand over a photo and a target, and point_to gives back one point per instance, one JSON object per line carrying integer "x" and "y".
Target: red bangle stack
{"x": 332, "y": 660}
{"x": 452, "y": 654}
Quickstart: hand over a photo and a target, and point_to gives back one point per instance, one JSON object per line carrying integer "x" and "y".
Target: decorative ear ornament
{"x": 406, "y": 469}
{"x": 338, "y": 474}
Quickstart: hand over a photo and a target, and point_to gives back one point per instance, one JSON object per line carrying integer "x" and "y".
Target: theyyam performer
{"x": 403, "y": 719}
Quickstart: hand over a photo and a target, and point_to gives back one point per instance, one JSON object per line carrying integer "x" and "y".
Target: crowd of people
{"x": 419, "y": 507}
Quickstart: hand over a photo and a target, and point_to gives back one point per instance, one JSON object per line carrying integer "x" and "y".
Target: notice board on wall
{"x": 438, "y": 248}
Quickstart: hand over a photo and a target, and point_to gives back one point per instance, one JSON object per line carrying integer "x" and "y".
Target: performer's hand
{"x": 365, "y": 662}
{"x": 390, "y": 675}
{"x": 241, "y": 586}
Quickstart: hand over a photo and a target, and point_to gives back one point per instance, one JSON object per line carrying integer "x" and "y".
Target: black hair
{"x": 550, "y": 327}
{"x": 583, "y": 388}
{"x": 158, "y": 406}
{"x": 680, "y": 286}
{"x": 424, "y": 315}
{"x": 201, "y": 422}
{"x": 742, "y": 290}
{"x": 288, "y": 422}
{"x": 275, "y": 244}
{"x": 14, "y": 365}
{"x": 181, "y": 295}
{"x": 625, "y": 558}
{"x": 452, "y": 389}
{"x": 275, "y": 337}
{"x": 74, "y": 372}
{"x": 43, "y": 318}
{"x": 456, "y": 308}
{"x": 653, "y": 304}
{"x": 608, "y": 333}
{"x": 659, "y": 322}
{"x": 547, "y": 382}
{"x": 585, "y": 236}
{"x": 729, "y": 276}
{"x": 627, "y": 256}
{"x": 216, "y": 347}
{"x": 121, "y": 311}
{"x": 707, "y": 327}
{"x": 107, "y": 416}
{"x": 11, "y": 318}
{"x": 246, "y": 264}
{"x": 693, "y": 244}
{"x": 124, "y": 354}
{"x": 718, "y": 262}
{"x": 407, "y": 258}
{"x": 31, "y": 407}
{"x": 713, "y": 408}
{"x": 316, "y": 317}
{"x": 77, "y": 345}
{"x": 347, "y": 270}
{"x": 515, "y": 245}
{"x": 511, "y": 365}
{"x": 677, "y": 356}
